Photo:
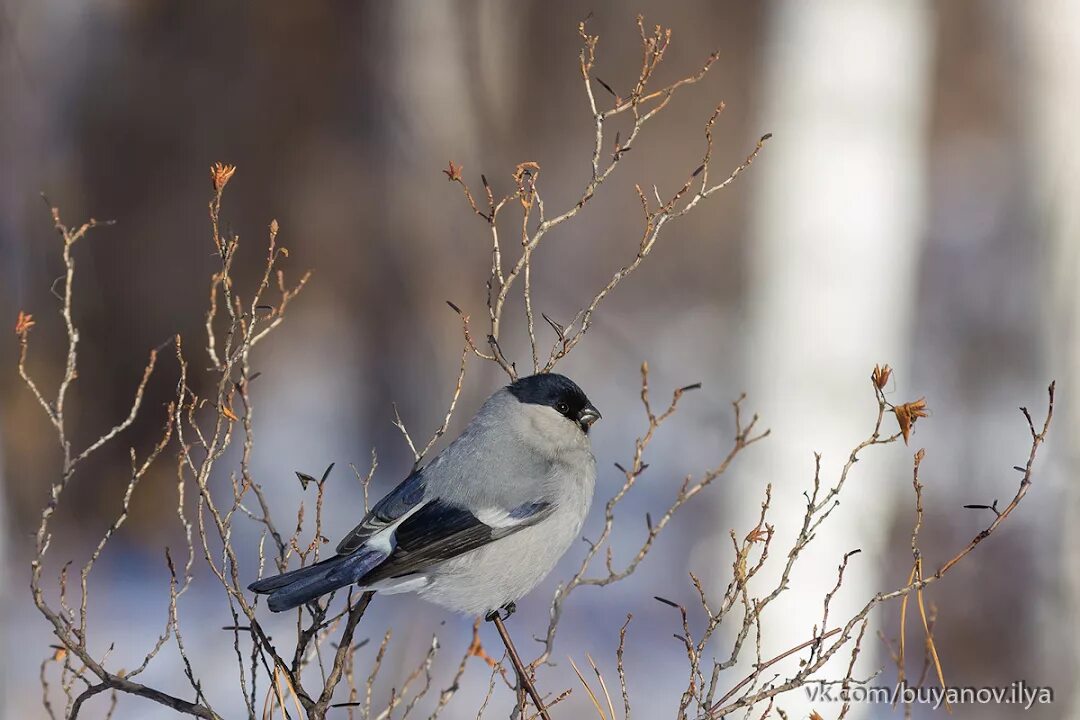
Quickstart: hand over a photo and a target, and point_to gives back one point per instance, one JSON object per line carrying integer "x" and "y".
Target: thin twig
{"x": 522, "y": 673}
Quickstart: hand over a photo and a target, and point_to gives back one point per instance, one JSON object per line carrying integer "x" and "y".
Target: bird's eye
{"x": 562, "y": 407}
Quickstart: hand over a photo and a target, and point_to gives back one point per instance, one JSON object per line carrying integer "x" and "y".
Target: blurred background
{"x": 916, "y": 206}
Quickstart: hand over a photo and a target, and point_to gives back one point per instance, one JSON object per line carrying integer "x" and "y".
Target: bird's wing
{"x": 441, "y": 530}
{"x": 405, "y": 498}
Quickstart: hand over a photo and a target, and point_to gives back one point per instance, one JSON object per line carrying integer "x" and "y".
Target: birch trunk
{"x": 836, "y": 227}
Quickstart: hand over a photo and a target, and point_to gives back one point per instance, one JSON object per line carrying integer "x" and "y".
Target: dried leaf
{"x": 881, "y": 375}
{"x": 476, "y": 649}
{"x": 758, "y": 534}
{"x": 522, "y": 170}
{"x": 23, "y": 324}
{"x": 220, "y": 173}
{"x": 453, "y": 172}
{"x": 815, "y": 715}
{"x": 525, "y": 175}
{"x": 907, "y": 414}
{"x": 228, "y": 412}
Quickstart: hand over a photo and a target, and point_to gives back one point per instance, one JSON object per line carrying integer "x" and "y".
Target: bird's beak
{"x": 587, "y": 417}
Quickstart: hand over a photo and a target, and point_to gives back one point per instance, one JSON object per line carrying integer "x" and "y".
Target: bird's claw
{"x": 502, "y": 613}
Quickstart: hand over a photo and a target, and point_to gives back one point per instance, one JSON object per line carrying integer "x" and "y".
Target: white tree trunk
{"x": 836, "y": 225}
{"x": 1051, "y": 35}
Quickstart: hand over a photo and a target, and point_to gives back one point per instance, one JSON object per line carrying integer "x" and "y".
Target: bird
{"x": 484, "y": 522}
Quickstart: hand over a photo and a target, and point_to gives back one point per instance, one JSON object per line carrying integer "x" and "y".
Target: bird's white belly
{"x": 491, "y": 576}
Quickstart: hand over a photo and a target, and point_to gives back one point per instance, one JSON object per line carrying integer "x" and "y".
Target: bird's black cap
{"x": 558, "y": 392}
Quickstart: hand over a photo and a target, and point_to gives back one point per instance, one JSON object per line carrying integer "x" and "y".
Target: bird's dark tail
{"x": 292, "y": 589}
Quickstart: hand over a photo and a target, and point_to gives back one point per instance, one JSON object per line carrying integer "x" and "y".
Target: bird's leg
{"x": 503, "y": 612}
{"x": 523, "y": 675}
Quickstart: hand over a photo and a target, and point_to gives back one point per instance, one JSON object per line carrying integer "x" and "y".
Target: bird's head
{"x": 559, "y": 393}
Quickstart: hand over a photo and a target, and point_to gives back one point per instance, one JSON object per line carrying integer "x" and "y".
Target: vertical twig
{"x": 523, "y": 676}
